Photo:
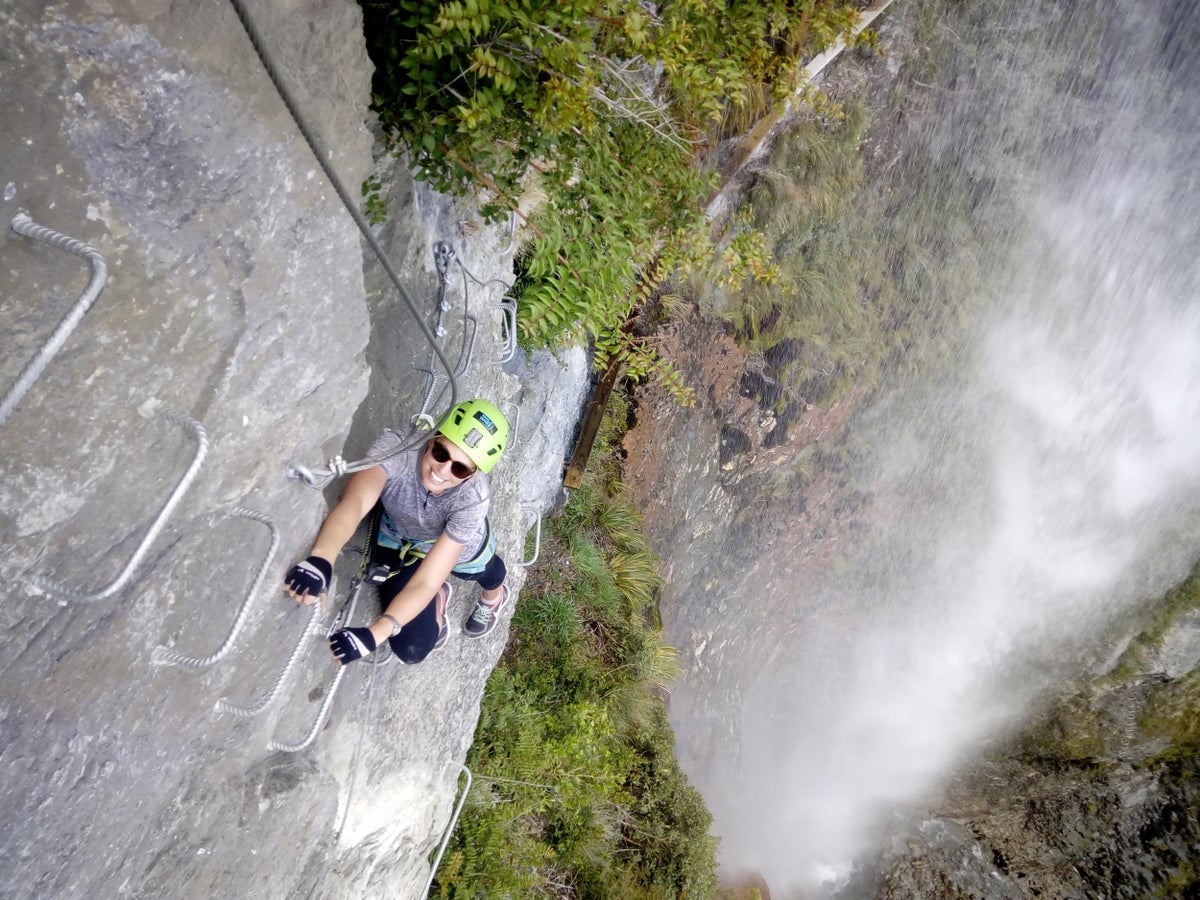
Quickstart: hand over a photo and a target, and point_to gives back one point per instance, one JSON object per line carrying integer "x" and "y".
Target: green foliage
{"x": 804, "y": 204}
{"x": 577, "y": 792}
{"x": 1177, "y": 601}
{"x": 374, "y": 207}
{"x": 1079, "y": 726}
{"x": 608, "y": 101}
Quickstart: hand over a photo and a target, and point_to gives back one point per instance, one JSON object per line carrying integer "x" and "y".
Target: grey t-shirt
{"x": 417, "y": 514}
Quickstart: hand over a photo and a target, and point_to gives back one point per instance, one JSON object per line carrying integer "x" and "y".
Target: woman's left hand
{"x": 350, "y": 644}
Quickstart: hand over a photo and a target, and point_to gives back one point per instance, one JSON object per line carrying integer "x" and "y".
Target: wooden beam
{"x": 591, "y": 426}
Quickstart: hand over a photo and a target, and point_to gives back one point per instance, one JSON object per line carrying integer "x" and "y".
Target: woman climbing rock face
{"x": 434, "y": 522}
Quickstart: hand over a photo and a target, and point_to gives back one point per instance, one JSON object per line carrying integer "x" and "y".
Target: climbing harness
{"x": 25, "y": 226}
{"x": 197, "y": 430}
{"x": 164, "y": 656}
{"x": 410, "y": 551}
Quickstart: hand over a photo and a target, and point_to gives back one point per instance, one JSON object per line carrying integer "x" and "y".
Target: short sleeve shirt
{"x": 419, "y": 515}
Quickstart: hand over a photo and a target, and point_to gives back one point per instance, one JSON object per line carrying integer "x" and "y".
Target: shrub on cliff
{"x": 609, "y": 101}
{"x": 577, "y": 791}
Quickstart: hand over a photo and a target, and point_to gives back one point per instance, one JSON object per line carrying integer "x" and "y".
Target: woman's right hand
{"x": 307, "y": 581}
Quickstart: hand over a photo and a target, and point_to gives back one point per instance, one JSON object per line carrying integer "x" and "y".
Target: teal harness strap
{"x": 411, "y": 551}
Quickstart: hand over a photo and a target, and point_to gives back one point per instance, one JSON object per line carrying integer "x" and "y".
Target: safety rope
{"x": 164, "y": 656}
{"x": 319, "y": 477}
{"x": 25, "y": 226}
{"x": 197, "y": 430}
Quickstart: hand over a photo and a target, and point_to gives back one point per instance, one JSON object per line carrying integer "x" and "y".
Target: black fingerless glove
{"x": 310, "y": 577}
{"x": 350, "y": 644}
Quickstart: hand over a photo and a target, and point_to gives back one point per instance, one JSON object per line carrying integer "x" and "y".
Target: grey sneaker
{"x": 483, "y": 617}
{"x": 443, "y": 601}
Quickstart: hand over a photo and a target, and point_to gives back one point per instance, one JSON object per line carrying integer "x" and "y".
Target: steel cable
{"x": 319, "y": 477}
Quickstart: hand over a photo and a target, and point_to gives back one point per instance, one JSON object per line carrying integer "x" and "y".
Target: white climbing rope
{"x": 165, "y": 656}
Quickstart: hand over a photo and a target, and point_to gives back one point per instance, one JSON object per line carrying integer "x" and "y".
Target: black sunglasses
{"x": 440, "y": 454}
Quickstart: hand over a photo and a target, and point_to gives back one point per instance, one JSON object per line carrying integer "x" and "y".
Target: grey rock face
{"x": 236, "y": 295}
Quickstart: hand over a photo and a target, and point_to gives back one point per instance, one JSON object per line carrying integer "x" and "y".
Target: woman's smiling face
{"x": 442, "y": 464}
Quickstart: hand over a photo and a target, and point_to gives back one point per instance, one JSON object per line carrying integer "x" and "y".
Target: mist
{"x": 1022, "y": 496}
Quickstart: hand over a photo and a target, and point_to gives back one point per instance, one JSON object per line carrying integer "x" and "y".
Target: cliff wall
{"x": 238, "y": 295}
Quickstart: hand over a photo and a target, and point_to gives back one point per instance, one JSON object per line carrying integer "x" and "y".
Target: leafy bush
{"x": 608, "y": 103}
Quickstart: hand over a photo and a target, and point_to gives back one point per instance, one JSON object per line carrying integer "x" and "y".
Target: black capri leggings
{"x": 416, "y": 639}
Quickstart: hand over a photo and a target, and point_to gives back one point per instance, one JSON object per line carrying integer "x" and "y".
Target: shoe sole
{"x": 443, "y": 637}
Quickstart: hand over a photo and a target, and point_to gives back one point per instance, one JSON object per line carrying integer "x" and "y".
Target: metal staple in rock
{"x": 25, "y": 226}
{"x": 537, "y": 539}
{"x": 449, "y": 830}
{"x": 346, "y": 614}
{"x": 164, "y": 656}
{"x": 187, "y": 422}
{"x": 249, "y": 712}
{"x": 508, "y": 310}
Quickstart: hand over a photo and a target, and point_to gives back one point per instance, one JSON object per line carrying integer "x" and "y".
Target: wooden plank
{"x": 591, "y": 426}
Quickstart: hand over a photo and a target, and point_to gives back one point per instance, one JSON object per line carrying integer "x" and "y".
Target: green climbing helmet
{"x": 479, "y": 429}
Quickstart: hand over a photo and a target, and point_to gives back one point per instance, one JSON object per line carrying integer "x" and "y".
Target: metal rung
{"x": 24, "y": 225}
{"x": 165, "y": 656}
{"x": 339, "y": 621}
{"x": 537, "y": 539}
{"x": 449, "y": 828}
{"x": 508, "y": 312}
{"x": 512, "y": 232}
{"x": 514, "y": 423}
{"x": 187, "y": 422}
{"x": 261, "y": 706}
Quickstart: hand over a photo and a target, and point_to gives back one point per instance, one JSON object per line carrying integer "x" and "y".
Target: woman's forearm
{"x": 431, "y": 572}
{"x": 359, "y": 498}
{"x": 338, "y": 528}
